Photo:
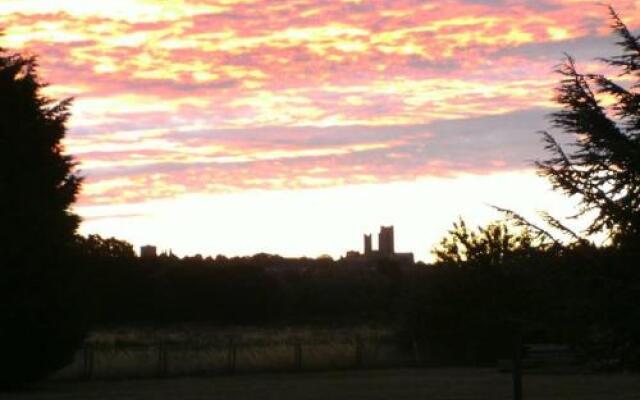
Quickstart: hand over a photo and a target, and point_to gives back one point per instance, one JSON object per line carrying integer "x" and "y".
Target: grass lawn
{"x": 396, "y": 384}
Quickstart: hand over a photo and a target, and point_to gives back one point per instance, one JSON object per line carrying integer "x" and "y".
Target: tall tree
{"x": 491, "y": 245}
{"x": 40, "y": 325}
{"x": 603, "y": 119}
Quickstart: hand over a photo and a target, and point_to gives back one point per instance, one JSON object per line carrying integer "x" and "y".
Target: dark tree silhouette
{"x": 95, "y": 247}
{"x": 494, "y": 244}
{"x": 603, "y": 167}
{"x": 40, "y": 324}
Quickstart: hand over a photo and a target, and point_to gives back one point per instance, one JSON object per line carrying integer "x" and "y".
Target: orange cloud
{"x": 194, "y": 95}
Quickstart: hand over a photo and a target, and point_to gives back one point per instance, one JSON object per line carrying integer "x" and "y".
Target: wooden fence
{"x": 234, "y": 356}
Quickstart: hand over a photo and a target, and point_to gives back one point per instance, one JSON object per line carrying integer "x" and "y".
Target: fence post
{"x": 162, "y": 360}
{"x": 165, "y": 360}
{"x": 359, "y": 352}
{"x": 416, "y": 353}
{"x": 88, "y": 361}
{"x": 231, "y": 356}
{"x": 297, "y": 356}
{"x": 517, "y": 367}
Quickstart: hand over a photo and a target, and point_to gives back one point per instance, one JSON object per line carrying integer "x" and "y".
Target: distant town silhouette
{"x": 386, "y": 249}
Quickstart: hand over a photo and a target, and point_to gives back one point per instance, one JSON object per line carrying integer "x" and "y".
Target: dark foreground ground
{"x": 398, "y": 384}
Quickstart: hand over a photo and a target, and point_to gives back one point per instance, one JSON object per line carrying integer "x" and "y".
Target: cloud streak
{"x": 183, "y": 96}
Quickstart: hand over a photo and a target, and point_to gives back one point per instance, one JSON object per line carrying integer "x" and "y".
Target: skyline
{"x": 194, "y": 118}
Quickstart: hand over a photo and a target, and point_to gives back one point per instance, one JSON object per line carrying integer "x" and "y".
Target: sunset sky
{"x": 292, "y": 127}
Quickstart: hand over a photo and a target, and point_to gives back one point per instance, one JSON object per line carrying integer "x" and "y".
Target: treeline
{"x": 584, "y": 297}
{"x": 125, "y": 289}
{"x": 457, "y": 311}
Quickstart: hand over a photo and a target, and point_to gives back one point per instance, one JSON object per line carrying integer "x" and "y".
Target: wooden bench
{"x": 542, "y": 355}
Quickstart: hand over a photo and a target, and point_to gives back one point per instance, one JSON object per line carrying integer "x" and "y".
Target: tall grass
{"x": 133, "y": 353}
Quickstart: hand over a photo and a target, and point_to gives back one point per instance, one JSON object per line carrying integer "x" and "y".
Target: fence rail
{"x": 96, "y": 361}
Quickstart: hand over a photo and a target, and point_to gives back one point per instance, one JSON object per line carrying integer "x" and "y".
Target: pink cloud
{"x": 170, "y": 105}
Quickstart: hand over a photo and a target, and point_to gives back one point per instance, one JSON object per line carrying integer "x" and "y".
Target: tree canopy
{"x": 494, "y": 244}
{"x": 602, "y": 116}
{"x": 39, "y": 323}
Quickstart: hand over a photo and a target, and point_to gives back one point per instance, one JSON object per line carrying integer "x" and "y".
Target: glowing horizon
{"x": 212, "y": 224}
{"x": 217, "y": 112}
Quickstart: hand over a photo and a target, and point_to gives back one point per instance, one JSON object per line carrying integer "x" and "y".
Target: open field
{"x": 142, "y": 353}
{"x": 397, "y": 384}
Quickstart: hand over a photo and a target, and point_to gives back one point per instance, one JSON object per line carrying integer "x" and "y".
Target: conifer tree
{"x": 603, "y": 164}
{"x": 40, "y": 321}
